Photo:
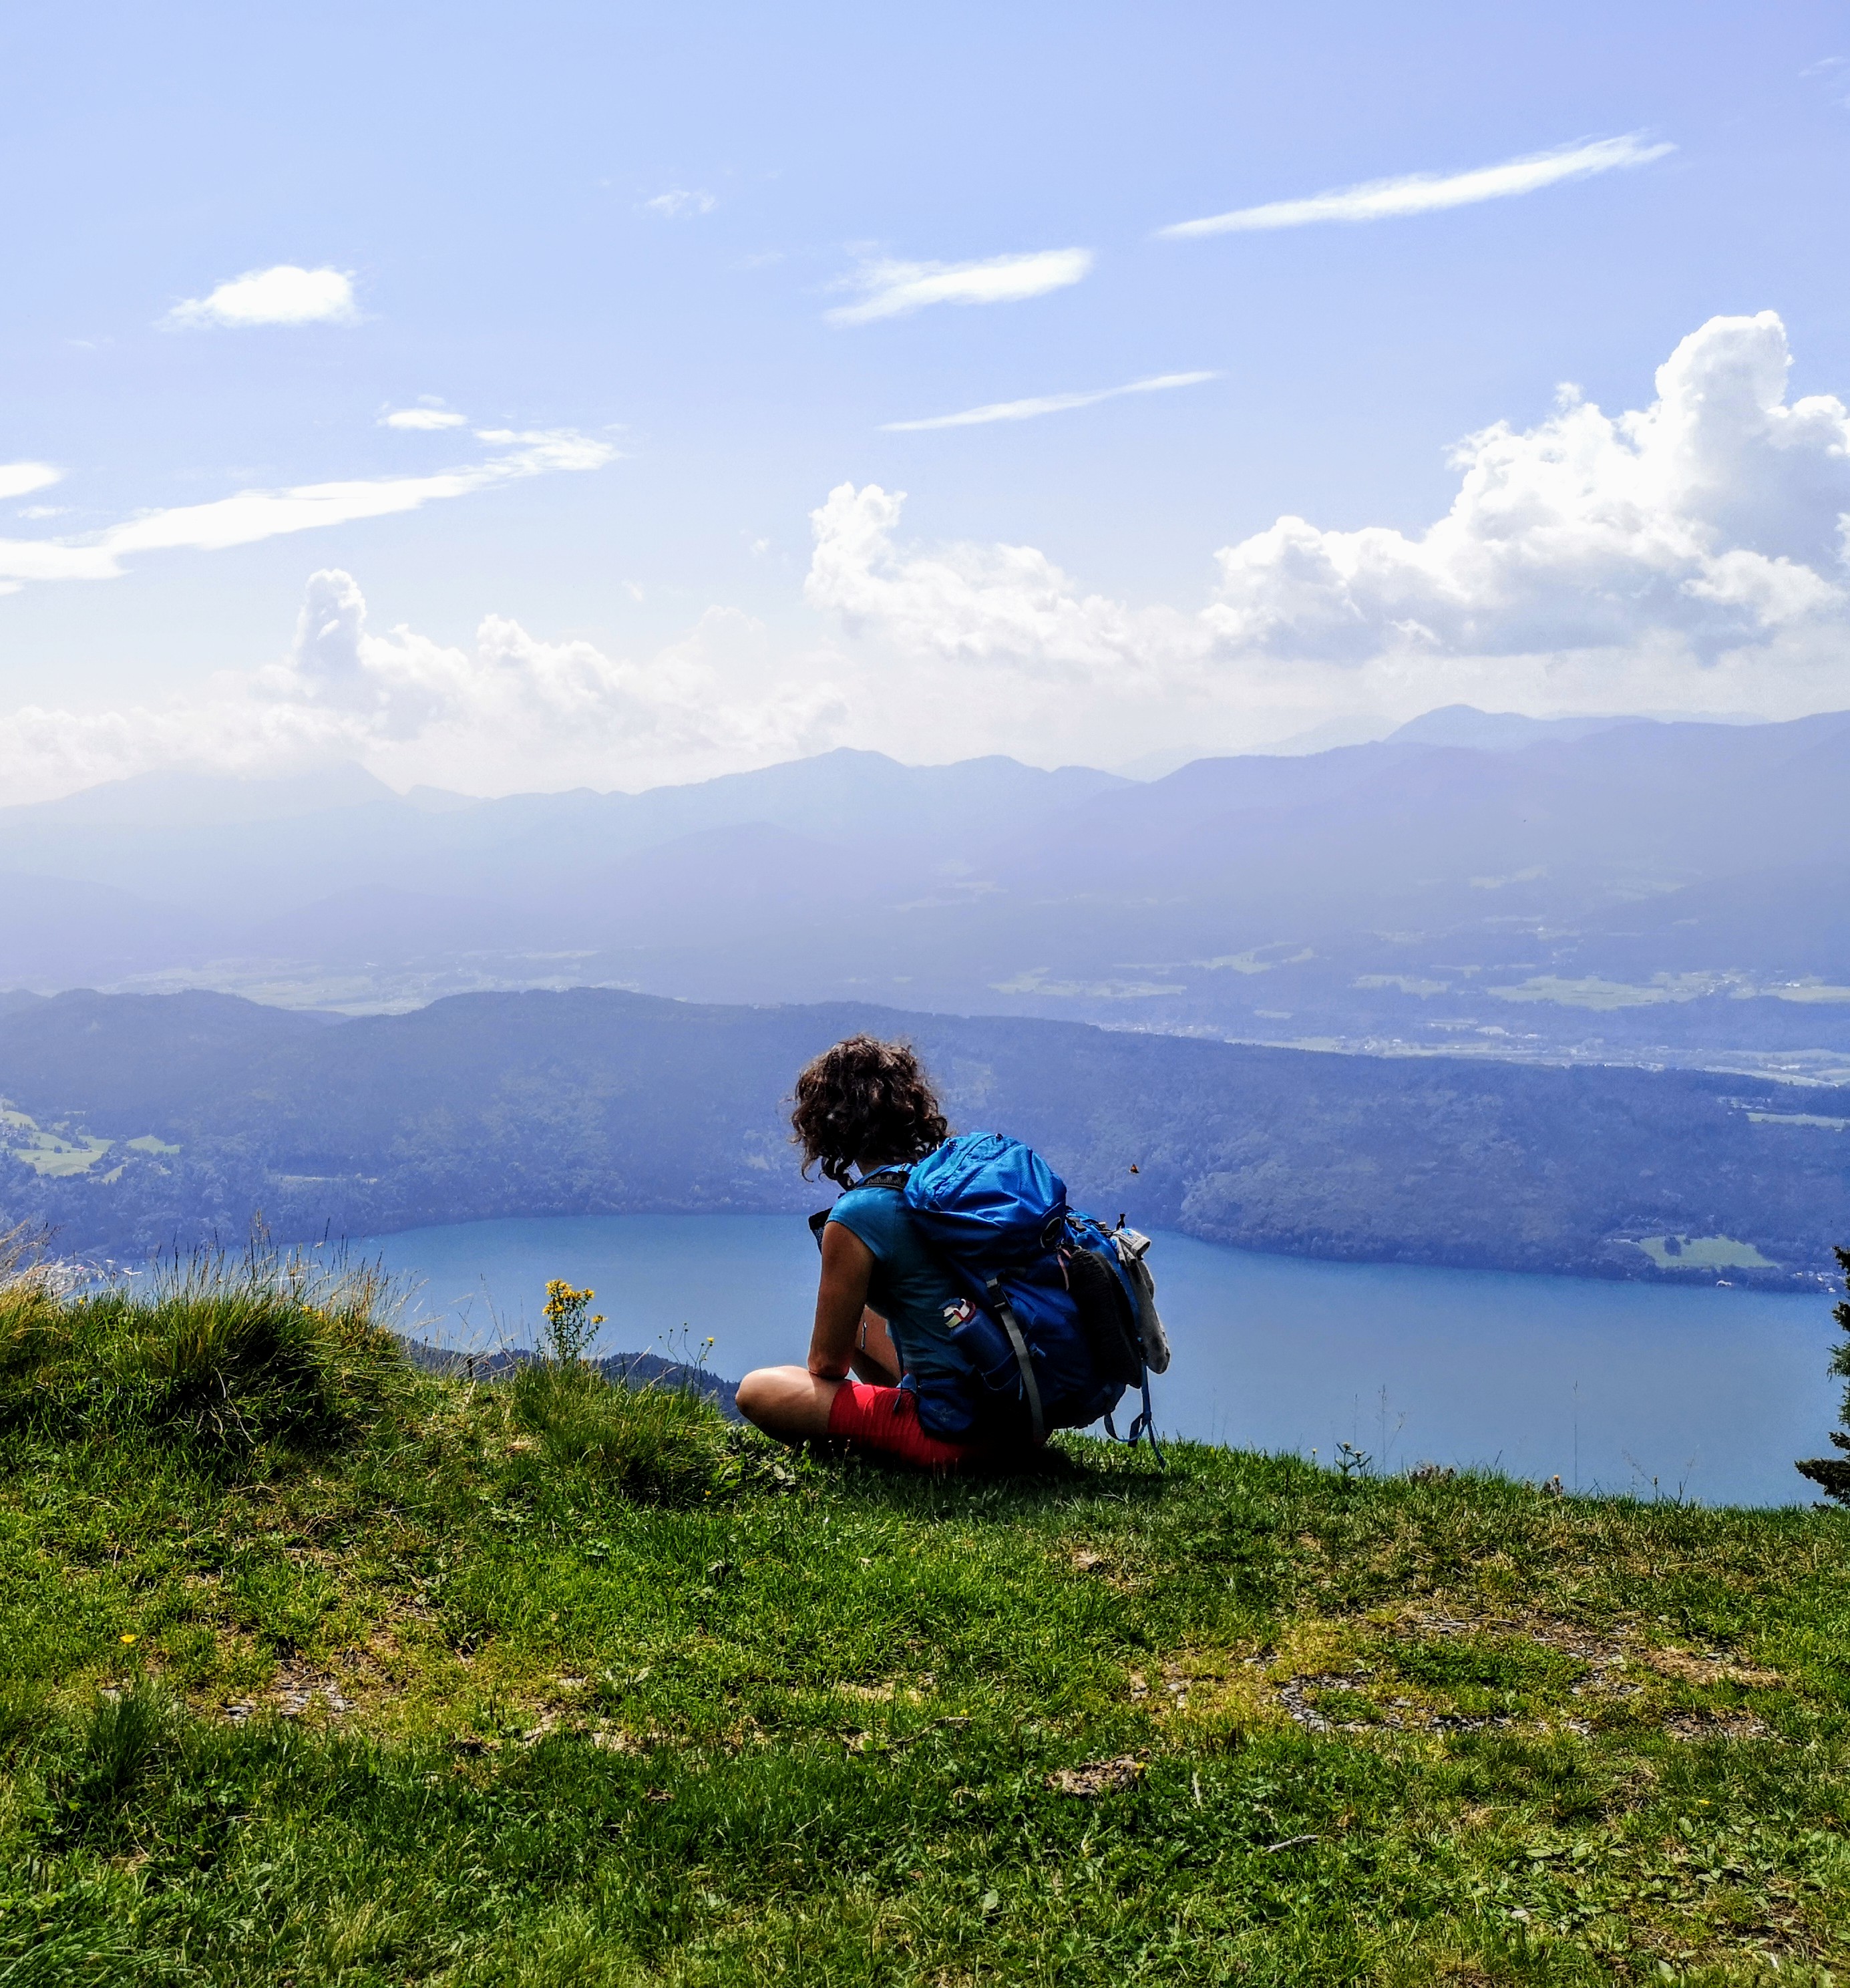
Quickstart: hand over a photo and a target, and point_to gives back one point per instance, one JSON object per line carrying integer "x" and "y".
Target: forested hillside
{"x": 139, "y": 1122}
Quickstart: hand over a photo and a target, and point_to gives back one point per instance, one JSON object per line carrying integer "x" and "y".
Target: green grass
{"x": 49, "y": 1151}
{"x": 1703, "y": 1253}
{"x": 549, "y": 1682}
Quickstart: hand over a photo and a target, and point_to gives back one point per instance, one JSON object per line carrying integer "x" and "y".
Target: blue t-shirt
{"x": 909, "y": 1287}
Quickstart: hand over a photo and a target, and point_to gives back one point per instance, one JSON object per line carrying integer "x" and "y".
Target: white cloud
{"x": 1689, "y": 555}
{"x": 1046, "y": 403}
{"x": 285, "y": 295}
{"x": 509, "y": 711}
{"x": 997, "y": 604}
{"x": 427, "y": 417}
{"x": 1714, "y": 518}
{"x": 1427, "y": 193}
{"x": 678, "y": 201}
{"x": 252, "y": 515}
{"x": 895, "y": 289}
{"x": 20, "y": 479}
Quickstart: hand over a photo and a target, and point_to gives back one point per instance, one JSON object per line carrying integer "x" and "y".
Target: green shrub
{"x": 222, "y": 1353}
{"x": 1831, "y": 1474}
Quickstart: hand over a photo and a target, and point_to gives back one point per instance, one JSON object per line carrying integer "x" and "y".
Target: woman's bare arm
{"x": 795, "y": 1402}
{"x": 840, "y": 1300}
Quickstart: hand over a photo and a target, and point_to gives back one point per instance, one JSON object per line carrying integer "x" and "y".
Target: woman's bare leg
{"x": 793, "y": 1404}
{"x": 788, "y": 1402}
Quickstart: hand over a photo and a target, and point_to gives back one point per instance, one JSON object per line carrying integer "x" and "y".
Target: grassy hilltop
{"x": 315, "y": 1670}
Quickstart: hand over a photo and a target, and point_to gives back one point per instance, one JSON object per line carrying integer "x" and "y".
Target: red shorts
{"x": 885, "y": 1421}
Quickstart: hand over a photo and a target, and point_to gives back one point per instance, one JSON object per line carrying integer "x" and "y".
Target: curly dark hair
{"x": 865, "y": 1100}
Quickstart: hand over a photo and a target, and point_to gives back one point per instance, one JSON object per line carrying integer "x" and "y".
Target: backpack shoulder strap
{"x": 882, "y": 1177}
{"x": 999, "y": 1304}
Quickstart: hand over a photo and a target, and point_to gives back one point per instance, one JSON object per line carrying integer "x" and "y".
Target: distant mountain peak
{"x": 188, "y": 797}
{"x": 1501, "y": 731}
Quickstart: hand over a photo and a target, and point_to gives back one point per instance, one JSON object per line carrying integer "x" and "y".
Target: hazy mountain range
{"x": 141, "y": 1121}
{"x": 1612, "y": 889}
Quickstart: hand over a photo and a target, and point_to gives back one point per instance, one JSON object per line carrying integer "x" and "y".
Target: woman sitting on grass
{"x": 885, "y": 1307}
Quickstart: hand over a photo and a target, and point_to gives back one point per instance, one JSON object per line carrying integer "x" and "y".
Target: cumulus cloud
{"x": 429, "y": 415}
{"x": 988, "y": 603}
{"x": 510, "y": 710}
{"x": 897, "y": 289}
{"x": 1046, "y": 403}
{"x": 251, "y": 514}
{"x": 20, "y": 479}
{"x": 284, "y": 294}
{"x": 1691, "y": 553}
{"x": 1428, "y": 193}
{"x": 678, "y": 201}
{"x": 1712, "y": 517}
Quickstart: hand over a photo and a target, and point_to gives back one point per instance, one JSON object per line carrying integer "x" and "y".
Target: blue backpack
{"x": 1057, "y": 1314}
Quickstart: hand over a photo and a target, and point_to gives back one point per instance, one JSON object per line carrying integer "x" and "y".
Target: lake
{"x": 1706, "y": 1393}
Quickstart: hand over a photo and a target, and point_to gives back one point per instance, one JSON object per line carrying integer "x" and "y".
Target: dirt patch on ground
{"x": 888, "y": 1692}
{"x": 1098, "y": 1777}
{"x": 1170, "y": 1691}
{"x": 1713, "y": 1667}
{"x": 1097, "y": 1566}
{"x": 297, "y": 1691}
{"x": 1299, "y": 1696}
{"x": 1724, "y": 1725}
{"x": 1601, "y": 1650}
{"x": 1345, "y": 1676}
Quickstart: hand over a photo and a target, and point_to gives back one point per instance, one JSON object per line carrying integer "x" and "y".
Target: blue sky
{"x": 638, "y": 233}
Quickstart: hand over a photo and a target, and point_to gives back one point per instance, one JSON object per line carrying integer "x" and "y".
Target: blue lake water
{"x": 1707, "y": 1393}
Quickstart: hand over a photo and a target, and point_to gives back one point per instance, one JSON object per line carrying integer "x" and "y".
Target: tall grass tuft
{"x": 658, "y": 1444}
{"x": 117, "y": 1744}
{"x": 223, "y": 1352}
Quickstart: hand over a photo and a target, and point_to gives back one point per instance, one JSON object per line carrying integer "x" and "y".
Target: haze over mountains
{"x": 1612, "y": 889}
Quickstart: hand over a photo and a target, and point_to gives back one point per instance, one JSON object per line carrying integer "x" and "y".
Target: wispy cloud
{"x": 285, "y": 295}
{"x": 678, "y": 201}
{"x": 20, "y": 479}
{"x": 1046, "y": 404}
{"x": 251, "y": 514}
{"x": 1831, "y": 70}
{"x": 1427, "y": 193}
{"x": 428, "y": 415}
{"x": 895, "y": 289}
